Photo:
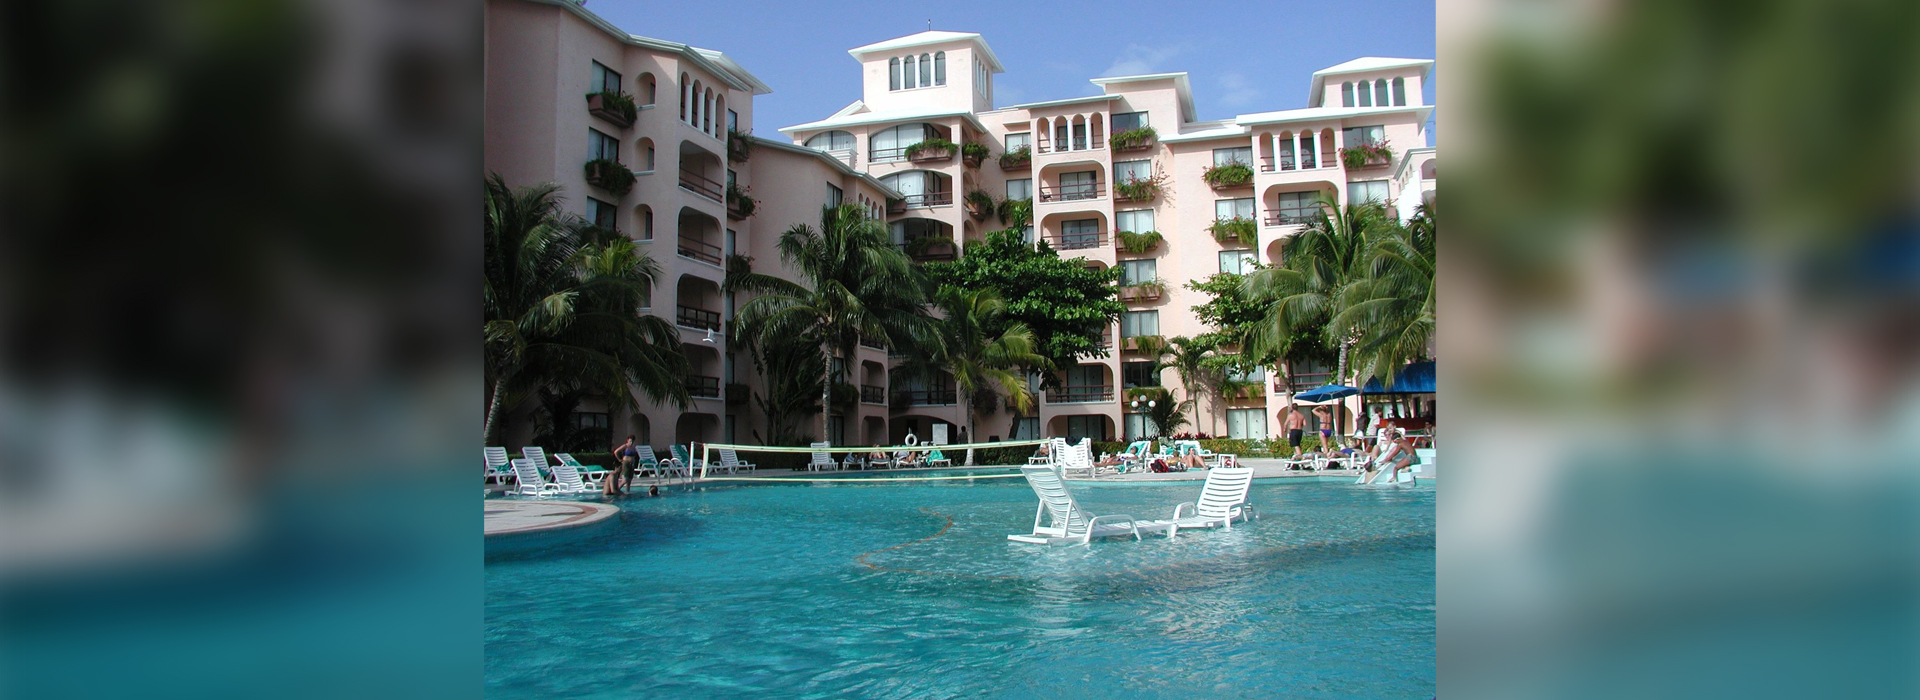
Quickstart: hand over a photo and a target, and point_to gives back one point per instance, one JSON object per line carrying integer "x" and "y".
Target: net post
{"x": 706, "y": 459}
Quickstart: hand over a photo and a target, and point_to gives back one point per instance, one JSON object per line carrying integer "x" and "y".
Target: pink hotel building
{"x": 695, "y": 107}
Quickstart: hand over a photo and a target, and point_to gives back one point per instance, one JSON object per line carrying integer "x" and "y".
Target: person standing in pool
{"x": 1296, "y": 426}
{"x": 621, "y": 480}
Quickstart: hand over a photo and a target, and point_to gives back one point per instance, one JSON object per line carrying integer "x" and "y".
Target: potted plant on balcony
{"x": 896, "y": 205}
{"x": 1140, "y": 189}
{"x": 739, "y": 203}
{"x": 1133, "y": 139}
{"x": 1366, "y": 155}
{"x": 1017, "y": 159}
{"x": 973, "y": 154}
{"x": 1233, "y": 174}
{"x": 739, "y": 145}
{"x": 1144, "y": 291}
{"x": 931, "y": 150}
{"x": 1015, "y": 213}
{"x": 1238, "y": 229}
{"x": 612, "y": 105}
{"x": 979, "y": 204}
{"x": 609, "y": 175}
{"x": 1137, "y": 243}
{"x": 1148, "y": 344}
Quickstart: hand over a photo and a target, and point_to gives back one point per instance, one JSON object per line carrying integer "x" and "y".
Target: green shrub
{"x": 1131, "y": 138}
{"x": 1356, "y": 157}
{"x": 929, "y": 146}
{"x": 620, "y": 103}
{"x": 1017, "y": 158}
{"x": 1139, "y": 242}
{"x": 974, "y": 153}
{"x": 1238, "y": 229}
{"x": 1015, "y": 213}
{"x": 1232, "y": 174}
{"x": 740, "y": 200}
{"x": 609, "y": 175}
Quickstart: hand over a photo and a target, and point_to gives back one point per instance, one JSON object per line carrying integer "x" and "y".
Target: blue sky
{"x": 1240, "y": 56}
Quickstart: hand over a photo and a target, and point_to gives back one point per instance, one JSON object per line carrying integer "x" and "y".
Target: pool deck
{"x": 507, "y": 517}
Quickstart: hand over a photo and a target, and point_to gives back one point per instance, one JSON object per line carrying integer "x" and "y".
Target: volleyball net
{"x": 731, "y": 459}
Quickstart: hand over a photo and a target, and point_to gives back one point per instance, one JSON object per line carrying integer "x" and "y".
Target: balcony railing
{"x": 1105, "y": 343}
{"x": 845, "y": 155}
{"x": 1076, "y": 191}
{"x": 870, "y": 393}
{"x": 1267, "y": 164}
{"x": 700, "y": 185}
{"x": 1076, "y": 144}
{"x": 1091, "y": 393}
{"x": 935, "y": 249}
{"x": 1077, "y": 240}
{"x": 698, "y": 318}
{"x": 927, "y": 397}
{"x": 928, "y": 199}
{"x": 1302, "y": 381}
{"x": 866, "y": 342}
{"x": 700, "y": 250}
{"x": 1289, "y": 216}
{"x": 703, "y": 386}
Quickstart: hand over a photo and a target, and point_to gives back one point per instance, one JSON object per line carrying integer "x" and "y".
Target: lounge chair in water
{"x": 822, "y": 459}
{"x": 730, "y": 461}
{"x": 651, "y": 462}
{"x": 693, "y": 466}
{"x": 1066, "y": 522}
{"x": 593, "y": 474}
{"x": 529, "y": 482}
{"x": 570, "y": 481}
{"x": 1222, "y": 499}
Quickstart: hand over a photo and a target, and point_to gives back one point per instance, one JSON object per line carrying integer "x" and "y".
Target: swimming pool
{"x": 851, "y": 589}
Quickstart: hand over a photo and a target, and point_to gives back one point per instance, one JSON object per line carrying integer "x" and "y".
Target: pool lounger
{"x": 1068, "y": 522}
{"x": 1222, "y": 499}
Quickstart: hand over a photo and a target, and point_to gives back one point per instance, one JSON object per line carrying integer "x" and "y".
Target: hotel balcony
{"x": 1092, "y": 393}
{"x": 1306, "y": 161}
{"x": 703, "y": 387}
{"x": 701, "y": 185}
{"x": 698, "y": 318}
{"x": 1074, "y": 192}
{"x": 926, "y": 200}
{"x": 873, "y": 394}
{"x": 699, "y": 250}
{"x": 1076, "y": 241}
{"x": 1076, "y": 144}
{"x": 926, "y": 397}
{"x": 1291, "y": 216}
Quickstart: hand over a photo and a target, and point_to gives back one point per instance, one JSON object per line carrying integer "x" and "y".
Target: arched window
{"x": 940, "y": 68}
{"x": 706, "y": 113}
{"x": 926, "y": 70}
{"x": 693, "y": 117}
{"x": 1380, "y": 92}
{"x": 720, "y": 107}
{"x": 910, "y": 74}
{"x": 893, "y": 73}
{"x": 647, "y": 88}
{"x": 831, "y": 141}
{"x": 891, "y": 144}
{"x": 646, "y": 154}
{"x": 1365, "y": 95}
{"x": 1399, "y": 92}
{"x": 683, "y": 96}
{"x": 646, "y": 223}
{"x": 1346, "y": 94}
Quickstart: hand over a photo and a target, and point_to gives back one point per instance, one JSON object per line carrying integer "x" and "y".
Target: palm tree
{"x": 561, "y": 304}
{"x": 1304, "y": 292}
{"x": 1190, "y": 359}
{"x": 986, "y": 353}
{"x": 1393, "y": 305}
{"x": 854, "y": 283}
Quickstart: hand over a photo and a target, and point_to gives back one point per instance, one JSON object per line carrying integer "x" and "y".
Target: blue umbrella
{"x": 1324, "y": 393}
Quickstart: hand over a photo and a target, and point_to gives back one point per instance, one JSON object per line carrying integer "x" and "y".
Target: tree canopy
{"x": 1067, "y": 306}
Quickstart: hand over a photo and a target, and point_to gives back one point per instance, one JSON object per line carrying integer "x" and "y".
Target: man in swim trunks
{"x": 1296, "y": 426}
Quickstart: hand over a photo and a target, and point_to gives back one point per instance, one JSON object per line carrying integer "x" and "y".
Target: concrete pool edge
{"x": 511, "y": 526}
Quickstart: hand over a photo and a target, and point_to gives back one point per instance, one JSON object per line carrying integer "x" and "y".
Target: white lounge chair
{"x": 499, "y": 468}
{"x": 593, "y": 475}
{"x": 1222, "y": 499}
{"x": 652, "y": 462}
{"x": 822, "y": 459}
{"x": 538, "y": 456}
{"x": 685, "y": 459}
{"x": 530, "y": 482}
{"x": 569, "y": 481}
{"x": 730, "y": 461}
{"x": 937, "y": 458}
{"x": 1066, "y": 521}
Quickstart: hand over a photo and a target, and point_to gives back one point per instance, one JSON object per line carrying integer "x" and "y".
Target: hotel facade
{"x": 689, "y": 149}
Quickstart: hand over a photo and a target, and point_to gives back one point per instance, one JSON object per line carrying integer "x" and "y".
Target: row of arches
{"x": 699, "y": 104}
{"x": 1379, "y": 93}
{"x": 924, "y": 70}
{"x": 1078, "y": 132}
{"x": 1297, "y": 150}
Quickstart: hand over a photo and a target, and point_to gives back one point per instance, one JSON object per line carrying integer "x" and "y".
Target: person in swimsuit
{"x": 621, "y": 480}
{"x": 1395, "y": 452}
{"x": 1325, "y": 417}
{"x": 1296, "y": 426}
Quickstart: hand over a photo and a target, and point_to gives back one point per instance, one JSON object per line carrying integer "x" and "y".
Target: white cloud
{"x": 1139, "y": 59}
{"x": 1237, "y": 91}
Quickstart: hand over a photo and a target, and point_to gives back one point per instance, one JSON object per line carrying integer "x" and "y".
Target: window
{"x": 1079, "y": 233}
{"x": 732, "y": 177}
{"x": 1020, "y": 189}
{"x": 733, "y": 120}
{"x": 1139, "y": 427}
{"x": 1256, "y": 373}
{"x": 835, "y": 196}
{"x": 1297, "y": 207}
{"x": 649, "y": 157}
{"x": 603, "y": 79}
{"x": 1078, "y": 185}
{"x": 917, "y": 186}
{"x": 1367, "y": 191}
{"x": 1237, "y": 262}
{"x": 1089, "y": 427}
{"x": 1060, "y": 135}
{"x": 602, "y": 146}
{"x": 906, "y": 231}
{"x": 909, "y": 74}
{"x": 926, "y": 70}
{"x": 1132, "y": 170}
{"x": 1138, "y": 323}
{"x": 1224, "y": 156}
{"x": 1135, "y": 221}
{"x": 891, "y": 144}
{"x": 601, "y": 213}
{"x": 940, "y": 68}
{"x": 1139, "y": 374}
{"x": 1137, "y": 271}
{"x": 1346, "y": 94}
{"x": 1018, "y": 141}
{"x": 683, "y": 97}
{"x": 1363, "y": 135}
{"x": 1399, "y": 92}
{"x": 1233, "y": 208}
{"x": 832, "y": 141}
{"x": 651, "y": 87}
{"x": 1380, "y": 92}
{"x": 646, "y": 223}
{"x": 1085, "y": 375}
{"x": 1365, "y": 95}
{"x": 893, "y": 73}
{"x": 1247, "y": 424}
{"x": 1026, "y": 429}
{"x": 1128, "y": 121}
{"x": 732, "y": 238}
{"x": 594, "y": 426}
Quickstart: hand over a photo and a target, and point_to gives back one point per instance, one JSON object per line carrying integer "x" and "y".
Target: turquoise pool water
{"x": 852, "y": 589}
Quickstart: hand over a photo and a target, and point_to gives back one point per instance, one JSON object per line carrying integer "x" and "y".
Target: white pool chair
{"x": 1222, "y": 499}
{"x": 530, "y": 482}
{"x": 499, "y": 468}
{"x": 652, "y": 462}
{"x": 538, "y": 456}
{"x": 1066, "y": 521}
{"x": 937, "y": 458}
{"x": 592, "y": 474}
{"x": 570, "y": 481}
{"x": 730, "y": 461}
{"x": 822, "y": 459}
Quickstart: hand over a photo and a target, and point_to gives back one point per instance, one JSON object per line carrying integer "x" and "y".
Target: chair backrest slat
{"x": 646, "y": 454}
{"x": 1061, "y": 508}
{"x": 1226, "y": 488}
{"x": 537, "y": 455}
{"x": 496, "y": 458}
{"x": 568, "y": 477}
{"x": 528, "y": 475}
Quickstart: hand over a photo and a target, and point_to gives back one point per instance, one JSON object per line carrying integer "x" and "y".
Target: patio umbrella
{"x": 1324, "y": 393}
